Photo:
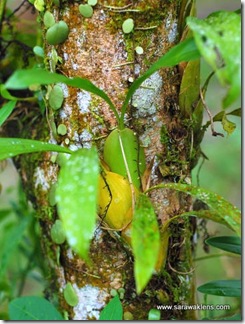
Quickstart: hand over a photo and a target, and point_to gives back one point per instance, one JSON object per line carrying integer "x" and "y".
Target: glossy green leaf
{"x": 76, "y": 197}
{"x": 189, "y": 88}
{"x": 86, "y": 10}
{"x": 57, "y": 33}
{"x": 154, "y": 315}
{"x": 38, "y": 50}
{"x": 57, "y": 232}
{"x": 10, "y": 147}
{"x": 145, "y": 241}
{"x": 124, "y": 155}
{"x": 231, "y": 244}
{"x": 48, "y": 19}
{"x": 218, "y": 38}
{"x": 33, "y": 308}
{"x": 22, "y": 79}
{"x": 6, "y": 110}
{"x": 221, "y": 210}
{"x": 227, "y": 288}
{"x": 56, "y": 97}
{"x": 128, "y": 26}
{"x": 113, "y": 311}
{"x": 70, "y": 295}
{"x": 184, "y": 51}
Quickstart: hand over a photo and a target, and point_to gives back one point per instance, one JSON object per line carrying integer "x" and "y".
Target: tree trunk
{"x": 98, "y": 49}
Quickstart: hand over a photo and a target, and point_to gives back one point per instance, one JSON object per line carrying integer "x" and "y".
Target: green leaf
{"x": 190, "y": 87}
{"x": 10, "y": 147}
{"x": 11, "y": 242}
{"x": 221, "y": 210}
{"x": 227, "y": 243}
{"x": 184, "y": 51}
{"x": 145, "y": 241}
{"x": 218, "y": 38}
{"x": 33, "y": 308}
{"x": 124, "y": 155}
{"x": 70, "y": 295}
{"x": 154, "y": 315}
{"x": 76, "y": 196}
{"x": 22, "y": 79}
{"x": 56, "y": 97}
{"x": 228, "y": 125}
{"x": 227, "y": 288}
{"x": 6, "y": 111}
{"x": 113, "y": 311}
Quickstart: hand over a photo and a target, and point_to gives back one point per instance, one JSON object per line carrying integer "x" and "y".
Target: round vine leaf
{"x": 62, "y": 129}
{"x": 48, "y": 19}
{"x": 139, "y": 50}
{"x": 56, "y": 97}
{"x": 57, "y": 232}
{"x": 38, "y": 50}
{"x": 86, "y": 10}
{"x": 70, "y": 295}
{"x": 57, "y": 33}
{"x": 128, "y": 26}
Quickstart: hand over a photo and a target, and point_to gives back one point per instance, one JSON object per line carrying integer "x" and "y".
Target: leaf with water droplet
{"x": 76, "y": 197}
{"x": 145, "y": 241}
{"x": 218, "y": 38}
{"x": 221, "y": 211}
{"x": 10, "y": 147}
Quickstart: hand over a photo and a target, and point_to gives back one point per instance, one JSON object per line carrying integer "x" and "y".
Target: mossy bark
{"x": 97, "y": 49}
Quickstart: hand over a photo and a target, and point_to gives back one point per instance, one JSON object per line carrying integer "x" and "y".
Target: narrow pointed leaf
{"x": 228, "y": 288}
{"x": 145, "y": 241}
{"x": 6, "y": 110}
{"x": 10, "y": 147}
{"x": 221, "y": 210}
{"x": 113, "y": 310}
{"x": 22, "y": 79}
{"x": 231, "y": 244}
{"x": 33, "y": 308}
{"x": 76, "y": 196}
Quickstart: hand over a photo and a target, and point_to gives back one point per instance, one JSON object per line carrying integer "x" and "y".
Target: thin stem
{"x": 214, "y": 133}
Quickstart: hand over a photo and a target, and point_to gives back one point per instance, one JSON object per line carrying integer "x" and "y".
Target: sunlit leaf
{"x": 33, "y": 308}
{"x": 227, "y": 243}
{"x": 218, "y": 37}
{"x": 221, "y": 211}
{"x": 145, "y": 241}
{"x": 76, "y": 197}
{"x": 228, "y": 288}
{"x": 22, "y": 79}
{"x": 113, "y": 310}
{"x": 10, "y": 147}
{"x": 6, "y": 110}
